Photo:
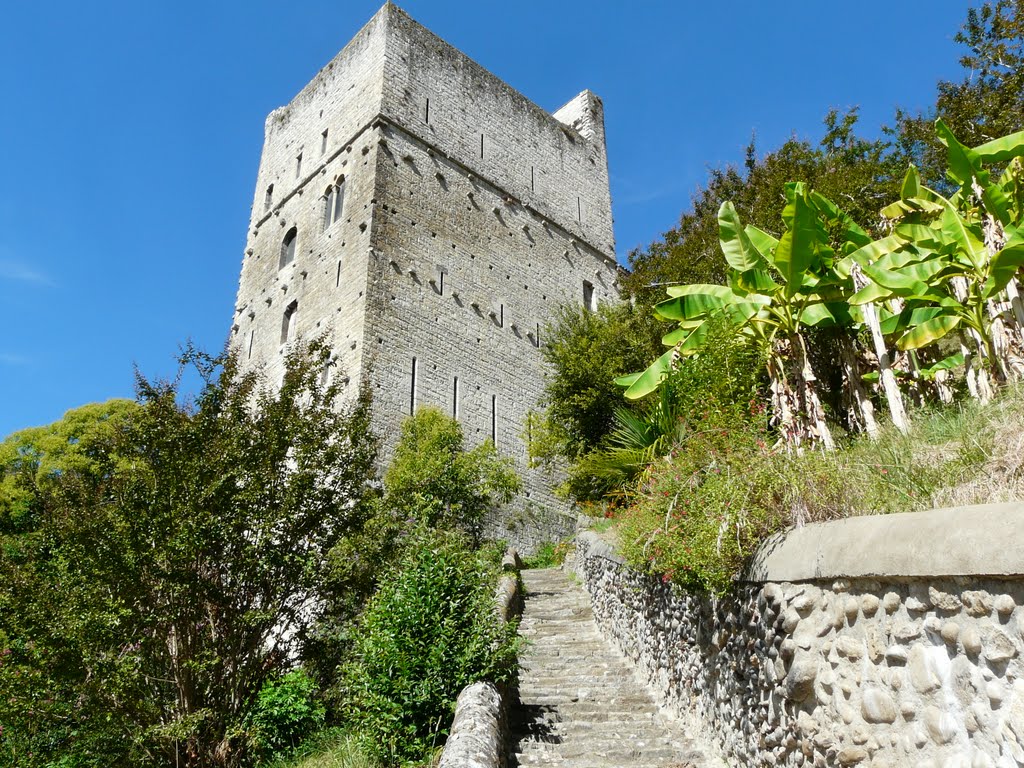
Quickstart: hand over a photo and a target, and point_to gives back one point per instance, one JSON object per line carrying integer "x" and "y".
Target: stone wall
{"x": 846, "y": 650}
{"x": 469, "y": 216}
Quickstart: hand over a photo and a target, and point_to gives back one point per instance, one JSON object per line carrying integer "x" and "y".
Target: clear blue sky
{"x": 130, "y": 134}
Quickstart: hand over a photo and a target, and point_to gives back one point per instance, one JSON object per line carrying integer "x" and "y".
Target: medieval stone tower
{"x": 430, "y": 220}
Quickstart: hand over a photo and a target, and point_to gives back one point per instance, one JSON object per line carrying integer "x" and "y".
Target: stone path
{"x": 579, "y": 703}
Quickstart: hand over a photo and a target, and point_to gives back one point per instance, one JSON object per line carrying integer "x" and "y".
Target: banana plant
{"x": 944, "y": 267}
{"x": 778, "y": 288}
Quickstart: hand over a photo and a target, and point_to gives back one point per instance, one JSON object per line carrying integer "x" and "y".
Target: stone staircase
{"x": 579, "y": 704}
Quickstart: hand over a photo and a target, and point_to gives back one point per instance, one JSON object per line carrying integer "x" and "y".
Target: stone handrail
{"x": 478, "y": 735}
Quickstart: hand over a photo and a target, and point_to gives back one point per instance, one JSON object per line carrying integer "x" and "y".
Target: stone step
{"x": 579, "y": 704}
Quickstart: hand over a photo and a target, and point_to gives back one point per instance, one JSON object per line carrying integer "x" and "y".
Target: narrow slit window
{"x": 455, "y": 398}
{"x": 328, "y": 206}
{"x": 536, "y": 337}
{"x": 252, "y": 337}
{"x": 440, "y": 282}
{"x": 288, "y": 322}
{"x": 481, "y": 145}
{"x": 579, "y": 210}
{"x": 501, "y": 315}
{"x": 323, "y": 141}
{"x": 494, "y": 419}
{"x": 339, "y": 200}
{"x": 337, "y": 277}
{"x": 268, "y": 199}
{"x": 589, "y": 301}
{"x": 298, "y": 165}
{"x": 412, "y": 389}
{"x": 426, "y": 112}
{"x": 533, "y": 181}
{"x": 288, "y": 248}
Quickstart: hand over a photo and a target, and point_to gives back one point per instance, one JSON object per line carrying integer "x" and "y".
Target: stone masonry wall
{"x": 865, "y": 669}
{"x": 470, "y": 215}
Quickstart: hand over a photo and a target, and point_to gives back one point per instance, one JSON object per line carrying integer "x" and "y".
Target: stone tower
{"x": 429, "y": 219}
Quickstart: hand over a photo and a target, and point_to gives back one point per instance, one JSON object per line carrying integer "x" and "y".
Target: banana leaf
{"x": 946, "y": 364}
{"x": 640, "y": 384}
{"x": 869, "y": 253}
{"x": 928, "y": 332}
{"x": 910, "y": 316}
{"x": 850, "y": 230}
{"x": 964, "y": 163}
{"x": 1001, "y": 149}
{"x": 764, "y": 242}
{"x": 1002, "y": 268}
{"x": 802, "y": 244}
{"x": 739, "y": 251}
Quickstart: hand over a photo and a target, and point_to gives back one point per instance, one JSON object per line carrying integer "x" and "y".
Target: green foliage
{"x": 167, "y": 567}
{"x": 430, "y": 630}
{"x": 710, "y": 390}
{"x": 286, "y": 711}
{"x": 843, "y": 166}
{"x": 549, "y": 554}
{"x": 585, "y": 351}
{"x": 433, "y": 481}
{"x": 329, "y": 748}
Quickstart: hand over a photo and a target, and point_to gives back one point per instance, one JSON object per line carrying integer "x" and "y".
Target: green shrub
{"x": 550, "y": 554}
{"x": 430, "y": 630}
{"x": 328, "y": 748}
{"x": 586, "y": 351}
{"x": 434, "y": 481}
{"x": 713, "y": 391}
{"x": 287, "y": 710}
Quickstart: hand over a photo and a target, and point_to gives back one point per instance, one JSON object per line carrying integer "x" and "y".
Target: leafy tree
{"x": 434, "y": 481}
{"x": 986, "y": 103}
{"x": 585, "y": 351}
{"x": 175, "y": 571}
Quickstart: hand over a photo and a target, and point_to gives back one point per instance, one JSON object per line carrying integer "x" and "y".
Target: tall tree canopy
{"x": 160, "y": 562}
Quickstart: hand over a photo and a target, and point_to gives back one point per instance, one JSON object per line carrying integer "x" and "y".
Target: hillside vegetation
{"x": 211, "y": 583}
{"x": 837, "y": 317}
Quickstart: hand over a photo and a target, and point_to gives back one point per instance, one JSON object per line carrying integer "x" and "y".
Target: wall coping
{"x": 978, "y": 540}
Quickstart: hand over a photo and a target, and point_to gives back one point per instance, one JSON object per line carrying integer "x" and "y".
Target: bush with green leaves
{"x": 712, "y": 391}
{"x": 287, "y": 710}
{"x": 434, "y": 481}
{"x": 161, "y": 563}
{"x": 585, "y": 350}
{"x": 430, "y": 630}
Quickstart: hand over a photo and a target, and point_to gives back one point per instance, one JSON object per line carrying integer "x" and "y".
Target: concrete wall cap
{"x": 979, "y": 540}
{"x": 598, "y": 547}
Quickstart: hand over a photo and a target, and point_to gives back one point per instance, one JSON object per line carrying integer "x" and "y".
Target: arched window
{"x": 334, "y": 202}
{"x": 288, "y": 248}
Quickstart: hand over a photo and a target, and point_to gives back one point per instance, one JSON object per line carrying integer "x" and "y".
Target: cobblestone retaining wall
{"x": 830, "y": 669}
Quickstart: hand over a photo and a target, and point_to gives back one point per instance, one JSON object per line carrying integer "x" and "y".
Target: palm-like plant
{"x": 951, "y": 261}
{"x": 637, "y": 441}
{"x": 778, "y": 289}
